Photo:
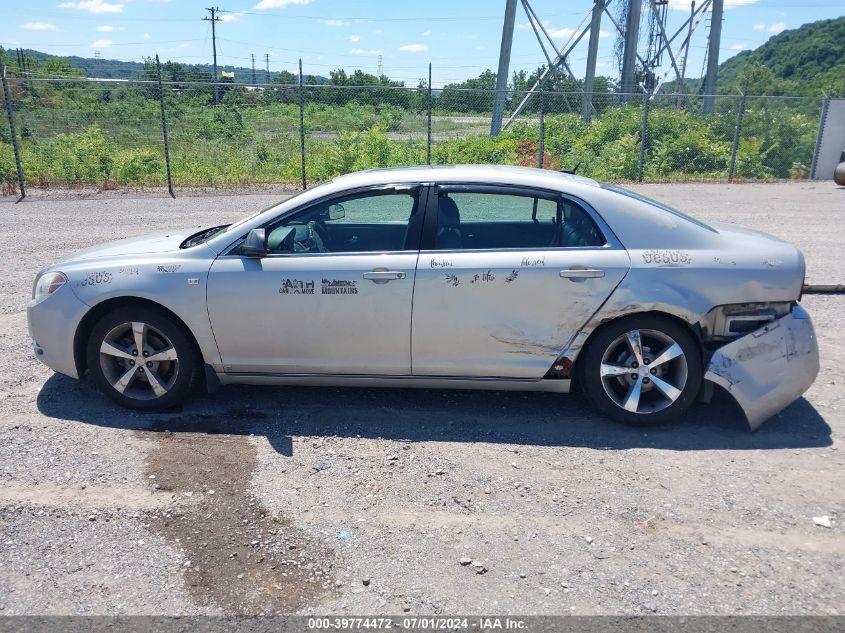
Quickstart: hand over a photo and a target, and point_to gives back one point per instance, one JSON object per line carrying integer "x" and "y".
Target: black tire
{"x": 178, "y": 376}
{"x": 653, "y": 406}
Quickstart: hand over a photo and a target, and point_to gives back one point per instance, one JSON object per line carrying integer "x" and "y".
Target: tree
{"x": 472, "y": 95}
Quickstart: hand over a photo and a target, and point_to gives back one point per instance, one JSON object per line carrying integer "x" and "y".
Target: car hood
{"x": 146, "y": 244}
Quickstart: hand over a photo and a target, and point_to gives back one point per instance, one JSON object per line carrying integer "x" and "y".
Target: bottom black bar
{"x": 524, "y": 624}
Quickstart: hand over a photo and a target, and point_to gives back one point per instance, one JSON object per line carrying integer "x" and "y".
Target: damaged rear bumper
{"x": 769, "y": 368}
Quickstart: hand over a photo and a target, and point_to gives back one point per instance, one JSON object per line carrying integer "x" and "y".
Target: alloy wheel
{"x": 644, "y": 371}
{"x": 139, "y": 361}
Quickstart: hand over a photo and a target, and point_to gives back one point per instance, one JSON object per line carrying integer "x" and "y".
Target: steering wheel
{"x": 320, "y": 229}
{"x": 313, "y": 241}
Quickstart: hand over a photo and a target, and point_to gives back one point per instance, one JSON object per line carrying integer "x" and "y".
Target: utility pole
{"x": 253, "y": 68}
{"x": 214, "y": 20}
{"x": 713, "y": 44}
{"x": 592, "y": 55}
{"x": 266, "y": 68}
{"x": 629, "y": 52}
{"x": 500, "y": 95}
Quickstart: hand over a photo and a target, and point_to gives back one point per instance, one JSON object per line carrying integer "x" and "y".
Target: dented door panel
{"x": 506, "y": 313}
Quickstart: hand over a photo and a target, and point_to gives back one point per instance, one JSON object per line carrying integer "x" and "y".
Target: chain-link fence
{"x": 110, "y": 133}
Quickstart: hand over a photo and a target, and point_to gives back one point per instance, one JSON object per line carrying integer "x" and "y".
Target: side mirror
{"x": 334, "y": 212}
{"x": 255, "y": 244}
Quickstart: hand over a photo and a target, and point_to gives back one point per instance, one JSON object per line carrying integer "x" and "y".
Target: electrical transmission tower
{"x": 253, "y": 68}
{"x": 654, "y": 54}
{"x": 714, "y": 41}
{"x": 380, "y": 70}
{"x": 266, "y": 68}
{"x": 214, "y": 20}
{"x": 633, "y": 65}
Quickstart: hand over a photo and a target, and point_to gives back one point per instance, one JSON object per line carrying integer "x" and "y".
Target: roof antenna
{"x": 571, "y": 171}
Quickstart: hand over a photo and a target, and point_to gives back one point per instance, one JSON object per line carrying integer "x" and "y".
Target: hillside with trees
{"x": 802, "y": 61}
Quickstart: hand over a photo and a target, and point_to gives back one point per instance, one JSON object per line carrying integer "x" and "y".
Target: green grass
{"x": 118, "y": 142}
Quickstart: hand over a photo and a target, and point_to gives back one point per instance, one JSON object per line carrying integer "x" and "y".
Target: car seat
{"x": 448, "y": 224}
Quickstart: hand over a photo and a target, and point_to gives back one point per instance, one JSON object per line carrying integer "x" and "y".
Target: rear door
{"x": 506, "y": 277}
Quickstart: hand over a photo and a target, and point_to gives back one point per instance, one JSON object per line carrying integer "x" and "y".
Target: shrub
{"x": 138, "y": 167}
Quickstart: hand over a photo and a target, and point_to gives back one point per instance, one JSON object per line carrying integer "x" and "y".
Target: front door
{"x": 333, "y": 294}
{"x": 505, "y": 279}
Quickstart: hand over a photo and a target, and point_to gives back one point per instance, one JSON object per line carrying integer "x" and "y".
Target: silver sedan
{"x": 469, "y": 277}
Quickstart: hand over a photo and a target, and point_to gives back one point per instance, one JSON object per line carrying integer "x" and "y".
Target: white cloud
{"x": 426, "y": 33}
{"x": 332, "y": 22}
{"x": 564, "y": 32}
{"x": 108, "y": 28}
{"x": 279, "y": 4}
{"x": 739, "y": 47}
{"x": 101, "y": 44}
{"x": 777, "y": 27}
{"x": 354, "y": 38}
{"x": 365, "y": 51}
{"x": 604, "y": 34}
{"x": 147, "y": 36}
{"x": 93, "y": 6}
{"x": 231, "y": 17}
{"x": 39, "y": 26}
{"x": 184, "y": 45}
{"x": 414, "y": 48}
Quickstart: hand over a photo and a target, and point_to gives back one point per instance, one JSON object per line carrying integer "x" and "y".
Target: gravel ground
{"x": 260, "y": 500}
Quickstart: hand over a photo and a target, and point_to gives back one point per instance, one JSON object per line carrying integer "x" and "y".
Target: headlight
{"x": 46, "y": 285}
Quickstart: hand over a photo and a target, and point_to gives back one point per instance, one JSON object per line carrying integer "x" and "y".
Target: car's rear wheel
{"x": 642, "y": 370}
{"x": 141, "y": 359}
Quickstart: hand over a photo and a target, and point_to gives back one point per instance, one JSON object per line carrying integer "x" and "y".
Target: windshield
{"x": 659, "y": 205}
{"x": 236, "y": 225}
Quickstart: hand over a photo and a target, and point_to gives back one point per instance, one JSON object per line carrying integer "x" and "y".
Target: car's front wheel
{"x": 642, "y": 370}
{"x": 141, "y": 359}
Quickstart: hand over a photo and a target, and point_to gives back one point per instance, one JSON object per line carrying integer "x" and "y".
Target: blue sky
{"x": 459, "y": 38}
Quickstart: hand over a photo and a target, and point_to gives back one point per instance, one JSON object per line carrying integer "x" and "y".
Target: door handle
{"x": 581, "y": 273}
{"x": 384, "y": 275}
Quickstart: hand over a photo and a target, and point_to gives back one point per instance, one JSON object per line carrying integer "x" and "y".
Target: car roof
{"x": 494, "y": 174}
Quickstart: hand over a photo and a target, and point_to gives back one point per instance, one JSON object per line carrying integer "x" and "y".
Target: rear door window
{"x": 468, "y": 220}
